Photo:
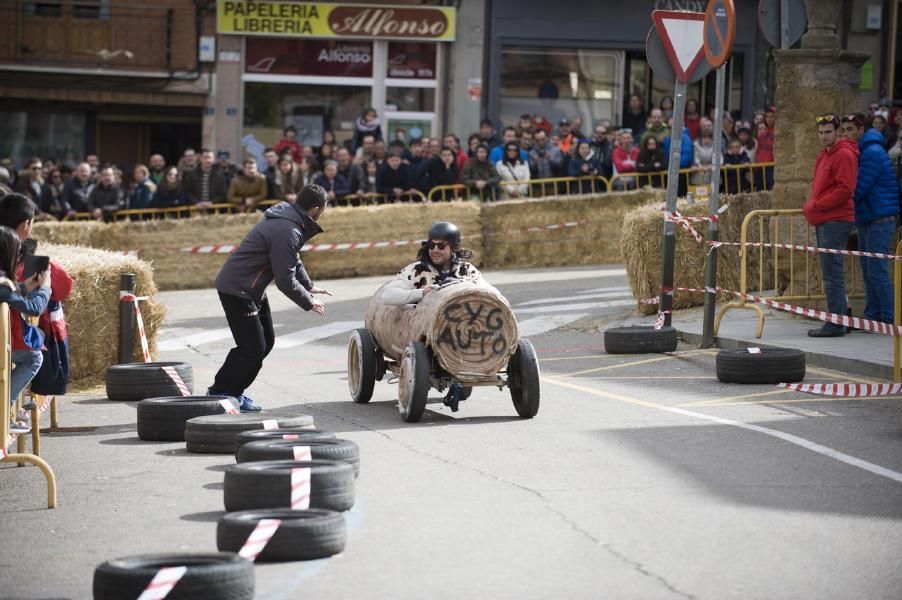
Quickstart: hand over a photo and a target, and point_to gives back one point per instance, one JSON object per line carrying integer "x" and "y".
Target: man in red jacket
{"x": 831, "y": 210}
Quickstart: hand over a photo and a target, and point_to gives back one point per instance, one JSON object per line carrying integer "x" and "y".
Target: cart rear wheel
{"x": 413, "y": 382}
{"x": 361, "y": 365}
{"x": 523, "y": 376}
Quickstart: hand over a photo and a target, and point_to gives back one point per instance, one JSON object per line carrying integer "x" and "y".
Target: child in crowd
{"x": 28, "y": 298}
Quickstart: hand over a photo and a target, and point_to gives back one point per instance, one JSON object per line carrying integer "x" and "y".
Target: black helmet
{"x": 444, "y": 230}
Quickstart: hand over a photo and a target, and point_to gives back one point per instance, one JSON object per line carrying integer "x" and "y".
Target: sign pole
{"x": 668, "y": 247}
{"x": 784, "y": 25}
{"x": 713, "y": 234}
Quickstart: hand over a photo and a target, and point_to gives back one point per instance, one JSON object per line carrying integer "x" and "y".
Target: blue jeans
{"x": 835, "y": 235}
{"x": 877, "y": 236}
{"x": 27, "y": 363}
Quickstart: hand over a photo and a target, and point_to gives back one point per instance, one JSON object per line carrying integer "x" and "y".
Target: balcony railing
{"x": 85, "y": 34}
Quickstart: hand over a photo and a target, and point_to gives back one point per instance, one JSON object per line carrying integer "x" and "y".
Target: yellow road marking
{"x": 731, "y": 398}
{"x": 578, "y": 357}
{"x": 798, "y": 400}
{"x": 638, "y": 362}
{"x": 840, "y": 376}
{"x": 595, "y": 392}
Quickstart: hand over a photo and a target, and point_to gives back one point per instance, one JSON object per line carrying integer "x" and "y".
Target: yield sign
{"x": 682, "y": 34}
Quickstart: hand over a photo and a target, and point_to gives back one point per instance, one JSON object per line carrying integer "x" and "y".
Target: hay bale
{"x": 92, "y": 311}
{"x": 596, "y": 240}
{"x": 641, "y": 249}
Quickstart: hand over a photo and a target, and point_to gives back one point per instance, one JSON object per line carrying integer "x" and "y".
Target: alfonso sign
{"x": 320, "y": 20}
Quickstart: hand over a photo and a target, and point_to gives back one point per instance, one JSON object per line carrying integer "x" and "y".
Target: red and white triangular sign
{"x": 683, "y": 36}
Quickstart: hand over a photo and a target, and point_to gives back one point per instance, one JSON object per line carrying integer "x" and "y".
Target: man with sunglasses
{"x": 831, "y": 211}
{"x": 876, "y": 210}
{"x": 440, "y": 259}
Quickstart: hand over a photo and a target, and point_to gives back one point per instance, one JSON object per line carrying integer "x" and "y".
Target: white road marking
{"x": 538, "y": 325}
{"x": 582, "y": 296}
{"x": 305, "y": 336}
{"x": 573, "y": 307}
{"x": 786, "y": 437}
{"x": 195, "y": 339}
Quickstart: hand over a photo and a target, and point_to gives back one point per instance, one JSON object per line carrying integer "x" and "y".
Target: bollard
{"x": 126, "y": 319}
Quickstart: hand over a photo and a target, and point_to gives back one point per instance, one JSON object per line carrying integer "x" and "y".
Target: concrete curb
{"x": 815, "y": 359}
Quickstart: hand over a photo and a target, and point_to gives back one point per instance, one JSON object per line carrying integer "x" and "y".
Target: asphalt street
{"x": 641, "y": 476}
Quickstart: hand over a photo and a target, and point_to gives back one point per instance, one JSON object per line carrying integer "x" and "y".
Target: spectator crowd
{"x": 491, "y": 165}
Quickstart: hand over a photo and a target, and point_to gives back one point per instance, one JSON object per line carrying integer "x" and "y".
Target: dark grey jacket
{"x": 270, "y": 252}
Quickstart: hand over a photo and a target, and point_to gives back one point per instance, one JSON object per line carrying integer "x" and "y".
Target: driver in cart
{"x": 440, "y": 261}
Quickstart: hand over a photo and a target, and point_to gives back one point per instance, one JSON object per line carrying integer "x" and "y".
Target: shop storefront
{"x": 317, "y": 66}
{"x": 575, "y": 58}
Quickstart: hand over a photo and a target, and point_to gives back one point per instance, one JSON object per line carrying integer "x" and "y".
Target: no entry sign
{"x": 682, "y": 34}
{"x": 720, "y": 29}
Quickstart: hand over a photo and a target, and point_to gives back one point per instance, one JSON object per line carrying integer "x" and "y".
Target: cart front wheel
{"x": 413, "y": 382}
{"x": 361, "y": 365}
{"x": 523, "y": 377}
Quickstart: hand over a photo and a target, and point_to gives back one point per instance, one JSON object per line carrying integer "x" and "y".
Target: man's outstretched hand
{"x": 319, "y": 308}
{"x": 319, "y": 290}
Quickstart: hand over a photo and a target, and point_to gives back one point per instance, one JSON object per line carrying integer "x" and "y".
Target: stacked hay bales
{"x": 641, "y": 249}
{"x": 595, "y": 240}
{"x": 162, "y": 241}
{"x": 92, "y": 311}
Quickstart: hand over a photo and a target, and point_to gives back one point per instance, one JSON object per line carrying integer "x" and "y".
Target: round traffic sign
{"x": 720, "y": 29}
{"x": 659, "y": 61}
{"x": 769, "y": 21}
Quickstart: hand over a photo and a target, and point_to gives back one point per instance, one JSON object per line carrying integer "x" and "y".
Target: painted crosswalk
{"x": 535, "y": 317}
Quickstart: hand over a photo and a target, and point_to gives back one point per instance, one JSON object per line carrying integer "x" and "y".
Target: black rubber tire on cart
{"x": 362, "y": 365}
{"x": 302, "y": 534}
{"x": 132, "y": 382}
{"x": 213, "y": 575}
{"x": 639, "y": 339}
{"x": 523, "y": 376}
{"x": 163, "y": 419}
{"x": 770, "y": 365}
{"x": 216, "y": 434}
{"x": 413, "y": 382}
{"x": 256, "y": 435}
{"x": 267, "y": 484}
{"x": 327, "y": 449}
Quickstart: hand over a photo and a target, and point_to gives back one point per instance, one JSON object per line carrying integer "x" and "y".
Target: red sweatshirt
{"x": 833, "y": 188}
{"x": 60, "y": 288}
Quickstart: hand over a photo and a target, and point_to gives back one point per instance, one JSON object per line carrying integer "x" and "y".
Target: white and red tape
{"x": 300, "y": 488}
{"x": 126, "y": 297}
{"x": 259, "y": 537}
{"x": 162, "y": 583}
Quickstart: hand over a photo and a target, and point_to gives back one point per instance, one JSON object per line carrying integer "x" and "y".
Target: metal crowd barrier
{"x": 20, "y": 457}
{"x": 782, "y": 261}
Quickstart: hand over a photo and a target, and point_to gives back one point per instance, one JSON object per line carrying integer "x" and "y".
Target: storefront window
{"x": 411, "y": 60}
{"x": 410, "y": 99}
{"x": 558, "y": 83}
{"x": 60, "y": 136}
{"x": 309, "y": 57}
{"x": 269, "y": 107}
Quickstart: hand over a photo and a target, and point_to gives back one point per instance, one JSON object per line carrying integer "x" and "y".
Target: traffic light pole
{"x": 668, "y": 246}
{"x": 713, "y": 235}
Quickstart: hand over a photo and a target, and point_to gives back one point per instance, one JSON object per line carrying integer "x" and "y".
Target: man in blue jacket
{"x": 269, "y": 252}
{"x": 876, "y": 210}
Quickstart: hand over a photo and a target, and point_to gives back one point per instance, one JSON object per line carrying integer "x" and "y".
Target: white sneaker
{"x": 19, "y": 428}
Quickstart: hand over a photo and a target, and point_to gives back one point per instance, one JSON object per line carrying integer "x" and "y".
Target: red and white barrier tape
{"x": 126, "y": 297}
{"x": 302, "y": 453}
{"x": 179, "y": 383}
{"x": 162, "y": 583}
{"x": 270, "y": 424}
{"x": 228, "y": 406}
{"x": 259, "y": 537}
{"x": 659, "y": 322}
{"x": 229, "y": 248}
{"x": 300, "y": 488}
{"x": 812, "y": 249}
{"x": 685, "y": 225}
{"x": 820, "y": 315}
{"x": 849, "y": 390}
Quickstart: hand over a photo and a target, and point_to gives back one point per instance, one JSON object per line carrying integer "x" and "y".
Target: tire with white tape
{"x": 639, "y": 339}
{"x": 214, "y": 575}
{"x": 163, "y": 419}
{"x": 326, "y": 449}
{"x": 216, "y": 434}
{"x": 294, "y": 433}
{"x": 302, "y": 534}
{"x": 764, "y": 365}
{"x": 132, "y": 382}
{"x": 267, "y": 484}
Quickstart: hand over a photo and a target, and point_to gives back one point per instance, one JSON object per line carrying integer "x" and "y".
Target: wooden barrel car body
{"x": 470, "y": 329}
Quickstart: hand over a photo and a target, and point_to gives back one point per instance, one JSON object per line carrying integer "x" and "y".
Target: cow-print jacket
{"x": 408, "y": 287}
